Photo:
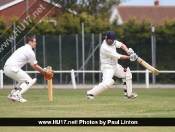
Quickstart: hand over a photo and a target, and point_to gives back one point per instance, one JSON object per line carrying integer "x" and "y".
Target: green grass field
{"x": 157, "y": 102}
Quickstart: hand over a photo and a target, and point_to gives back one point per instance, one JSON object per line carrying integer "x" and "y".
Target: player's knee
{"x": 128, "y": 74}
{"x": 28, "y": 83}
{"x": 108, "y": 83}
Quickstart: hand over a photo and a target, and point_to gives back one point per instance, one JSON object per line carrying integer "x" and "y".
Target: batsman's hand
{"x": 133, "y": 57}
{"x": 48, "y": 74}
{"x": 130, "y": 51}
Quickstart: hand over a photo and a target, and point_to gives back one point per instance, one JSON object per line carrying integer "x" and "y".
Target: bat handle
{"x": 136, "y": 57}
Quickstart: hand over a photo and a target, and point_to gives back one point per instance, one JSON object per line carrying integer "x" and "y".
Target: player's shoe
{"x": 16, "y": 98}
{"x": 132, "y": 96}
{"x": 90, "y": 96}
{"x": 10, "y": 96}
{"x": 20, "y": 99}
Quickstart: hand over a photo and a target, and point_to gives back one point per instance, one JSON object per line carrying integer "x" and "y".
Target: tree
{"x": 91, "y": 7}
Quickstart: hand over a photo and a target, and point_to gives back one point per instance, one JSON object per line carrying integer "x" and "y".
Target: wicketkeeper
{"x": 110, "y": 67}
{"x": 16, "y": 61}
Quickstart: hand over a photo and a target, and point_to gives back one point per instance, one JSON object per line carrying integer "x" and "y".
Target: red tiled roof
{"x": 157, "y": 14}
{"x": 3, "y": 2}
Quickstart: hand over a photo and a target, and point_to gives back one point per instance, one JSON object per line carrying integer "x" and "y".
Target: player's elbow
{"x": 34, "y": 66}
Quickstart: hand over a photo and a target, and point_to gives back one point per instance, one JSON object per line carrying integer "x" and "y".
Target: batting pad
{"x": 101, "y": 87}
{"x": 26, "y": 85}
{"x": 128, "y": 82}
{"x": 124, "y": 86}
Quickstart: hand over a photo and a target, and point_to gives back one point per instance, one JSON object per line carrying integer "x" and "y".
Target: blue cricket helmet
{"x": 111, "y": 35}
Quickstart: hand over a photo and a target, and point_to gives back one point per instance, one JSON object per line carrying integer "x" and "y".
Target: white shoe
{"x": 20, "y": 99}
{"x": 90, "y": 97}
{"x": 17, "y": 98}
{"x": 10, "y": 96}
{"x": 132, "y": 96}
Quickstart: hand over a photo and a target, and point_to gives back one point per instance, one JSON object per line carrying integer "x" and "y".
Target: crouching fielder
{"x": 16, "y": 61}
{"x": 110, "y": 67}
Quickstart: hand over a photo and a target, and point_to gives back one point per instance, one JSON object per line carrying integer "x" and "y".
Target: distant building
{"x": 156, "y": 14}
{"x": 27, "y": 9}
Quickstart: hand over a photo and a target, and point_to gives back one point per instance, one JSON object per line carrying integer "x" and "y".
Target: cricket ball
{"x": 124, "y": 69}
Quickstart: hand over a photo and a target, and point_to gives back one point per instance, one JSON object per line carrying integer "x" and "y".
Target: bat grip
{"x": 136, "y": 57}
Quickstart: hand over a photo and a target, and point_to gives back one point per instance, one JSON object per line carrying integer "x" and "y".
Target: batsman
{"x": 110, "y": 67}
{"x": 16, "y": 61}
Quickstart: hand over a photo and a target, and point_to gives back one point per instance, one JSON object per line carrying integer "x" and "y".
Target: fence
{"x": 65, "y": 52}
{"x": 73, "y": 77}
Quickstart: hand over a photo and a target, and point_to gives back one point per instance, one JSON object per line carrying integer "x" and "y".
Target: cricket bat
{"x": 147, "y": 66}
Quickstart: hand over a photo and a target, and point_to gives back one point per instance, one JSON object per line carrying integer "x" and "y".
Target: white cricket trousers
{"x": 17, "y": 74}
{"x": 110, "y": 71}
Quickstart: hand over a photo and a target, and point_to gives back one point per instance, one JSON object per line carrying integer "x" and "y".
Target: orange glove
{"x": 48, "y": 74}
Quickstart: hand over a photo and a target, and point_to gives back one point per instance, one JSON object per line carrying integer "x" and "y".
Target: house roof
{"x": 157, "y": 14}
{"x": 7, "y": 3}
{"x": 3, "y": 2}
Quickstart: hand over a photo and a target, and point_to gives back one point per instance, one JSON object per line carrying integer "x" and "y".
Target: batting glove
{"x": 130, "y": 51}
{"x": 133, "y": 57}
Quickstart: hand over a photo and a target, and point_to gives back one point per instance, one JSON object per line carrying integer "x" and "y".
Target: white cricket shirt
{"x": 21, "y": 56}
{"x": 108, "y": 53}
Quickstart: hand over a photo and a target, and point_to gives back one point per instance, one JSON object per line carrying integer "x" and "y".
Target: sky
{"x": 147, "y": 3}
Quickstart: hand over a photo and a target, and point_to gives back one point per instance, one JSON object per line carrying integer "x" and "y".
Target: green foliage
{"x": 93, "y": 24}
{"x": 100, "y": 8}
{"x": 68, "y": 24}
{"x": 2, "y": 25}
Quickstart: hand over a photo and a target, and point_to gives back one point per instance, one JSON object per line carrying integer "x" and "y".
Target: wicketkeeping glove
{"x": 48, "y": 74}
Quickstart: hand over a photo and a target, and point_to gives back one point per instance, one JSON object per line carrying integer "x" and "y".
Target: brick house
{"x": 156, "y": 14}
{"x": 27, "y": 9}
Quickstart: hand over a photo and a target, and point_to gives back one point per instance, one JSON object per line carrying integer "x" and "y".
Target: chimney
{"x": 156, "y": 2}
